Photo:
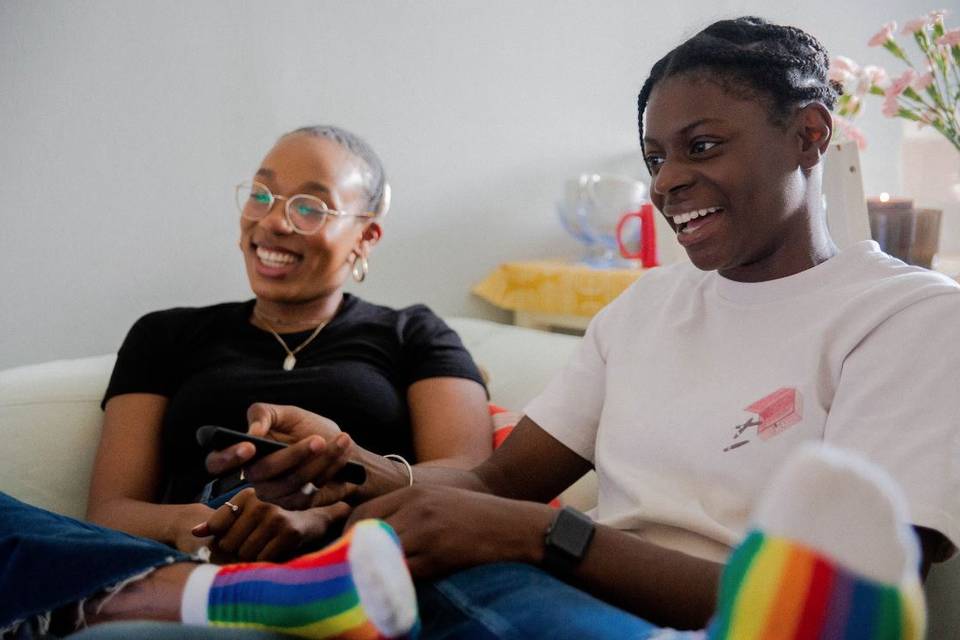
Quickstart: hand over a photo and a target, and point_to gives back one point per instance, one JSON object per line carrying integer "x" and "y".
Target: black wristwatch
{"x": 566, "y": 541}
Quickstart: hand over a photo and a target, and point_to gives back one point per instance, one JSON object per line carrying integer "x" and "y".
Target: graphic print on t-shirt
{"x": 776, "y": 413}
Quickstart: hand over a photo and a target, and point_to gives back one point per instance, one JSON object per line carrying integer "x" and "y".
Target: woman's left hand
{"x": 443, "y": 529}
{"x": 262, "y": 531}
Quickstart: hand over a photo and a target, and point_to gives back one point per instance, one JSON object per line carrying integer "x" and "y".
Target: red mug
{"x": 646, "y": 252}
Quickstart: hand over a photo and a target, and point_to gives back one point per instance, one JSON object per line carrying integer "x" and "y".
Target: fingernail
{"x": 343, "y": 441}
{"x": 317, "y": 444}
{"x": 200, "y": 527}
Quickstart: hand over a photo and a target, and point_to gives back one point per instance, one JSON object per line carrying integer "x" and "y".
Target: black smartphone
{"x": 213, "y": 438}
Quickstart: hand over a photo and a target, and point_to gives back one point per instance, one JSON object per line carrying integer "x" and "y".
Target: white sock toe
{"x": 845, "y": 507}
{"x": 383, "y": 581}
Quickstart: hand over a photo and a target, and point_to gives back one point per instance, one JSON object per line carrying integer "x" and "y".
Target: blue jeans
{"x": 509, "y": 600}
{"x": 50, "y": 561}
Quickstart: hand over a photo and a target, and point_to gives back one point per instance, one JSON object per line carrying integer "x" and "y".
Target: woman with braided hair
{"x": 754, "y": 400}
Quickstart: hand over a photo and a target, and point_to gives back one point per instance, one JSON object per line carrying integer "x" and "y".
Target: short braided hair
{"x": 375, "y": 180}
{"x": 751, "y": 58}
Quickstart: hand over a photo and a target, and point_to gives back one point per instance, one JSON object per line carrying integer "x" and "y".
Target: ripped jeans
{"x": 49, "y": 561}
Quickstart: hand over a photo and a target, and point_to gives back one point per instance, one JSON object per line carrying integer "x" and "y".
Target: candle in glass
{"x": 902, "y": 231}
{"x": 886, "y": 202}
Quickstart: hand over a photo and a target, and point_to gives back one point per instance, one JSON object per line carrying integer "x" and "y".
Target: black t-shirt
{"x": 213, "y": 364}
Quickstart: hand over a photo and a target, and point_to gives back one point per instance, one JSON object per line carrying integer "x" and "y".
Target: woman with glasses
{"x": 398, "y": 381}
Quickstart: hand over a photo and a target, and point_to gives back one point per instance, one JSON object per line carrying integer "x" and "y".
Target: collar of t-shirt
{"x": 798, "y": 284}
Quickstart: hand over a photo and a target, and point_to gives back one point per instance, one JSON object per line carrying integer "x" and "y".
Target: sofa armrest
{"x": 520, "y": 361}
{"x": 50, "y": 422}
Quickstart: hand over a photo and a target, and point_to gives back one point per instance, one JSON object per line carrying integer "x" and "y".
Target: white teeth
{"x": 683, "y": 218}
{"x": 275, "y": 258}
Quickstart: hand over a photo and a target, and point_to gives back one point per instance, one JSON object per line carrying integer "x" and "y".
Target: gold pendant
{"x": 289, "y": 362}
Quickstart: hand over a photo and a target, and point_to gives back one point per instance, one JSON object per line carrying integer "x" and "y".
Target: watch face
{"x": 570, "y": 534}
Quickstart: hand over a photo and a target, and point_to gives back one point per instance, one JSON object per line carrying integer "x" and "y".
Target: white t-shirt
{"x": 689, "y": 391}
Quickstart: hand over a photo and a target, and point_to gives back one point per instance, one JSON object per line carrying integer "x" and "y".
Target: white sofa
{"x": 50, "y": 413}
{"x": 50, "y": 421}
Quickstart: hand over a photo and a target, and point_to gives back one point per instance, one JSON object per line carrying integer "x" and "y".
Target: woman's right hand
{"x": 182, "y": 526}
{"x": 283, "y": 423}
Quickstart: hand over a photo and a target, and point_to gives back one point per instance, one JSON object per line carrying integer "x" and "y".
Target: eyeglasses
{"x": 305, "y": 213}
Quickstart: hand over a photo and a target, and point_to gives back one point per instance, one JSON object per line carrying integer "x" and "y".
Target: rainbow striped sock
{"x": 357, "y": 588}
{"x": 773, "y": 587}
{"x": 830, "y": 554}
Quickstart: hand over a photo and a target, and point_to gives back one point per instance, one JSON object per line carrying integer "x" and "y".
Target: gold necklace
{"x": 291, "y": 360}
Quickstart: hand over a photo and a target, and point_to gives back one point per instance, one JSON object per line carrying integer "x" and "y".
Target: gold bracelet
{"x": 398, "y": 457}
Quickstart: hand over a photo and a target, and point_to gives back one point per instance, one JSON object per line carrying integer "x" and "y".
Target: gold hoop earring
{"x": 360, "y": 268}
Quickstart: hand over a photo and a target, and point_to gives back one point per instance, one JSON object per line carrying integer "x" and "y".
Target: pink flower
{"x": 891, "y": 106}
{"x": 841, "y": 76}
{"x": 846, "y": 79}
{"x": 885, "y": 33}
{"x": 915, "y": 25}
{"x": 901, "y": 83}
{"x": 877, "y": 76}
{"x": 950, "y": 38}
{"x": 922, "y": 82}
{"x": 863, "y": 84}
{"x": 937, "y": 15}
{"x": 843, "y": 63}
{"x": 844, "y": 70}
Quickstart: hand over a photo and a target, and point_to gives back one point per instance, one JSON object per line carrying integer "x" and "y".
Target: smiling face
{"x": 728, "y": 180}
{"x": 287, "y": 267}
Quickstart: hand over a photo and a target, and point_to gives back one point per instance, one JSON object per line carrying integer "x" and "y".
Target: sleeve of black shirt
{"x": 144, "y": 360}
{"x": 431, "y": 349}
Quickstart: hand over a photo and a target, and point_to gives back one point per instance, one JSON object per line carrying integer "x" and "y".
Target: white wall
{"x": 124, "y": 126}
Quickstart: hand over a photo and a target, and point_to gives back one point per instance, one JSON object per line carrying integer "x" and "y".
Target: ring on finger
{"x": 233, "y": 507}
{"x": 308, "y": 489}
